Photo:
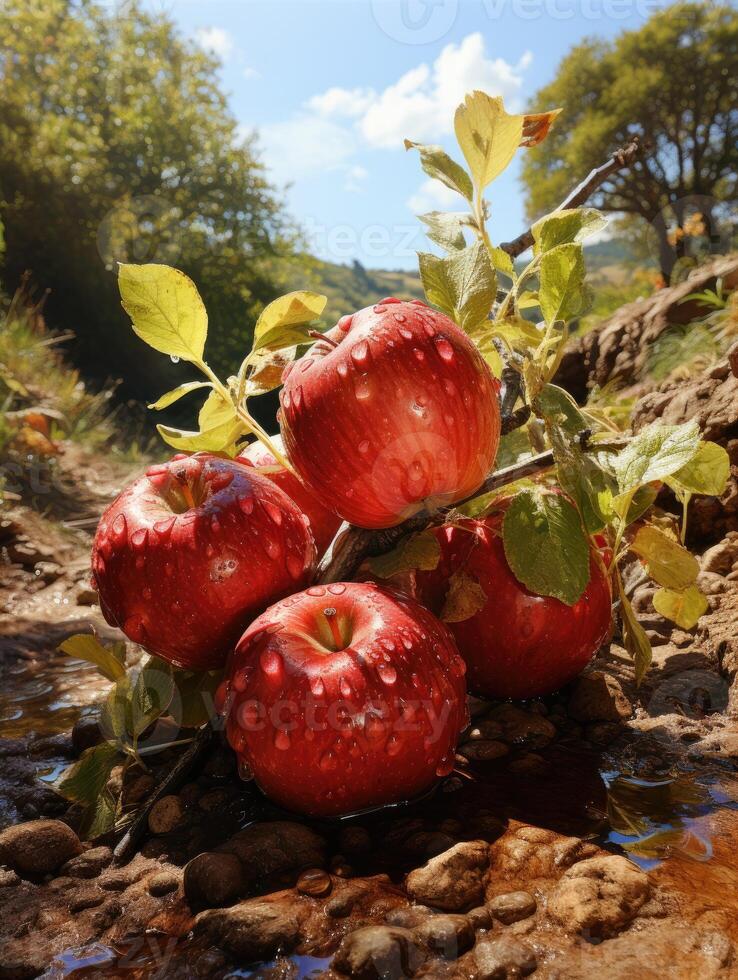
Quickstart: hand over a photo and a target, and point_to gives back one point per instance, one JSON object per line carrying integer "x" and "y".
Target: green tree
{"x": 116, "y": 144}
{"x": 673, "y": 83}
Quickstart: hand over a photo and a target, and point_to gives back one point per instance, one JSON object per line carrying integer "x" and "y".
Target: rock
{"x": 428, "y": 843}
{"x": 599, "y": 697}
{"x": 480, "y": 918}
{"x": 256, "y": 929}
{"x": 86, "y": 733}
{"x": 512, "y": 906}
{"x": 166, "y": 815}
{"x": 86, "y": 897}
{"x": 522, "y": 727}
{"x": 484, "y": 750}
{"x": 354, "y": 841}
{"x": 276, "y": 847}
{"x": 8, "y": 878}
{"x": 378, "y": 953}
{"x": 446, "y": 935}
{"x": 599, "y": 895}
{"x": 314, "y": 882}
{"x": 163, "y": 883}
{"x": 38, "y": 847}
{"x": 498, "y": 959}
{"x": 454, "y": 880}
{"x": 341, "y": 902}
{"x": 212, "y": 879}
{"x": 88, "y": 864}
{"x": 85, "y": 596}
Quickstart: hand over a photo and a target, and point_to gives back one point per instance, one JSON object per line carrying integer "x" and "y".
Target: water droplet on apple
{"x": 360, "y": 353}
{"x": 444, "y": 349}
{"x": 407, "y": 642}
{"x": 271, "y": 663}
{"x": 246, "y": 504}
{"x": 345, "y": 687}
{"x": 419, "y": 354}
{"x": 135, "y": 628}
{"x": 362, "y": 388}
{"x": 241, "y": 679}
{"x": 337, "y": 588}
{"x": 146, "y": 592}
{"x": 294, "y": 566}
{"x": 297, "y": 397}
{"x": 379, "y": 308}
{"x": 272, "y": 548}
{"x": 164, "y": 528}
{"x": 119, "y": 526}
{"x": 387, "y": 674}
{"x": 286, "y": 399}
{"x": 342, "y": 370}
{"x": 445, "y": 766}
{"x": 215, "y": 525}
{"x": 274, "y": 512}
{"x": 345, "y": 323}
{"x": 328, "y": 761}
{"x": 139, "y": 538}
{"x": 374, "y": 727}
{"x": 314, "y": 882}
{"x": 429, "y": 328}
{"x": 317, "y": 688}
{"x": 400, "y": 317}
{"x": 393, "y": 745}
{"x": 316, "y": 590}
{"x": 281, "y": 740}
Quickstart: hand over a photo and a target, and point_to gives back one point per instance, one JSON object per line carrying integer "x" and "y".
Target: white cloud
{"x": 216, "y": 40}
{"x": 250, "y": 72}
{"x": 305, "y": 145}
{"x": 342, "y": 102}
{"x": 432, "y": 195}
{"x": 355, "y": 177}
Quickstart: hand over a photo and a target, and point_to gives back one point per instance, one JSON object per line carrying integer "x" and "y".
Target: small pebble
{"x": 314, "y": 882}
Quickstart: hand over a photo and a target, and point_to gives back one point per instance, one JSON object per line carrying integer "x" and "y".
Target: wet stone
{"x": 503, "y": 959}
{"x": 163, "y": 883}
{"x": 314, "y": 882}
{"x": 378, "y": 953}
{"x": 599, "y": 896}
{"x": 166, "y": 815}
{"x": 252, "y": 930}
{"x": 446, "y": 935}
{"x": 213, "y": 878}
{"x": 523, "y": 727}
{"x": 38, "y": 847}
{"x": 86, "y": 898}
{"x": 512, "y": 906}
{"x": 454, "y": 880}
{"x": 354, "y": 841}
{"x": 599, "y": 697}
{"x": 484, "y": 750}
{"x": 89, "y": 864}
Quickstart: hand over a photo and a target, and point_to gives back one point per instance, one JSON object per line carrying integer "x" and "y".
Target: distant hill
{"x": 351, "y": 287}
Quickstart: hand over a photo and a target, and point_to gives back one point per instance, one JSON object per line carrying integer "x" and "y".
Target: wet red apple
{"x": 323, "y": 522}
{"x": 344, "y": 697}
{"x": 190, "y": 552}
{"x": 395, "y": 409}
{"x": 519, "y": 645}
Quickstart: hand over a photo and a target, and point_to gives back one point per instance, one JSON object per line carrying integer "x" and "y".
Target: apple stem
{"x": 187, "y": 494}
{"x": 321, "y": 336}
{"x": 330, "y": 615}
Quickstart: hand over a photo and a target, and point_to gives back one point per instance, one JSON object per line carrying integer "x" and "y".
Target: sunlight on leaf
{"x": 166, "y": 309}
{"x": 109, "y": 660}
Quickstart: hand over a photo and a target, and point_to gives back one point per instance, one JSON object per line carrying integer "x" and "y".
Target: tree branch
{"x": 620, "y": 160}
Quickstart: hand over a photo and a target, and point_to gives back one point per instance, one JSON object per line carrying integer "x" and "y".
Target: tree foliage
{"x": 116, "y": 144}
{"x": 674, "y": 83}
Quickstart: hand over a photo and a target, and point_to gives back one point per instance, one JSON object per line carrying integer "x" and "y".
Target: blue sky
{"x": 333, "y": 86}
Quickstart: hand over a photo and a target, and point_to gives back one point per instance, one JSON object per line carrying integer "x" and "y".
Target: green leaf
{"x": 284, "y": 322}
{"x": 115, "y": 716}
{"x": 445, "y": 229}
{"x": 194, "y": 698}
{"x": 528, "y": 300}
{"x": 583, "y": 480}
{"x": 218, "y": 438}
{"x": 438, "y": 164}
{"x": 656, "y": 452}
{"x": 109, "y": 660}
{"x": 557, "y": 406}
{"x": 417, "y": 551}
{"x": 165, "y": 308}
{"x": 487, "y": 135}
{"x": 707, "y": 472}
{"x": 151, "y": 695}
{"x": 545, "y": 545}
{"x": 564, "y": 227}
{"x": 561, "y": 292}
{"x": 175, "y": 394}
{"x": 635, "y": 640}
{"x": 462, "y": 284}
{"x": 84, "y": 781}
{"x": 667, "y": 561}
{"x": 464, "y": 599}
{"x": 100, "y": 818}
{"x": 683, "y": 608}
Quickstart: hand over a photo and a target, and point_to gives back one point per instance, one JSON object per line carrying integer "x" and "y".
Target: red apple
{"x": 343, "y": 697}
{"x": 323, "y": 522}
{"x": 394, "y": 410}
{"x": 519, "y": 645}
{"x": 189, "y": 553}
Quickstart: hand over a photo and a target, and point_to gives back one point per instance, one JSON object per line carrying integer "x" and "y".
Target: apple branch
{"x": 620, "y": 160}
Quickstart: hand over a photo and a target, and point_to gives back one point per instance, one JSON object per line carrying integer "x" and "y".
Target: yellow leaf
{"x": 215, "y": 411}
{"x": 487, "y": 135}
{"x": 667, "y": 561}
{"x": 169, "y": 397}
{"x": 278, "y": 324}
{"x": 683, "y": 608}
{"x": 218, "y": 438}
{"x": 165, "y": 308}
{"x": 109, "y": 660}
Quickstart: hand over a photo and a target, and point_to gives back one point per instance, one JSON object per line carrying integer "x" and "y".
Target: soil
{"x": 591, "y": 833}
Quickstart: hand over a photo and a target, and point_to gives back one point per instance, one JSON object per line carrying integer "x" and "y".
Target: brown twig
{"x": 620, "y": 160}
